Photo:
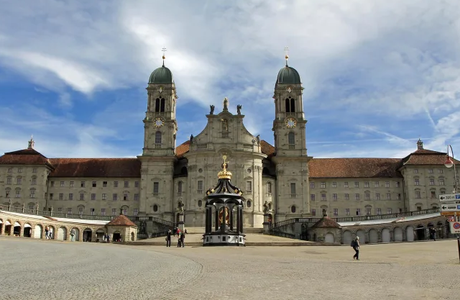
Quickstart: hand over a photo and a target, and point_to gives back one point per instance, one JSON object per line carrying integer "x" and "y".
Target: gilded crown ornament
{"x": 224, "y": 174}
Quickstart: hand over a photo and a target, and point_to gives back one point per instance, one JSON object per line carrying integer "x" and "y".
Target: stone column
{"x": 180, "y": 224}
{"x": 12, "y": 229}
{"x": 2, "y": 230}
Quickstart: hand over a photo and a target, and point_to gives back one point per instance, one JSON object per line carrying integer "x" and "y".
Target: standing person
{"x": 46, "y": 232}
{"x": 179, "y": 233}
{"x": 168, "y": 238}
{"x": 182, "y": 239}
{"x": 355, "y": 244}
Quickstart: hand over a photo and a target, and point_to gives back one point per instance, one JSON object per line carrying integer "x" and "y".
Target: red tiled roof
{"x": 426, "y": 157}
{"x": 266, "y": 148}
{"x": 326, "y": 222}
{"x": 183, "y": 148}
{"x": 96, "y": 167}
{"x": 121, "y": 220}
{"x": 24, "y": 157}
{"x": 354, "y": 167}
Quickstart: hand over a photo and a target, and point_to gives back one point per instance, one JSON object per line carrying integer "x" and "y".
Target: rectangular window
{"x": 356, "y": 184}
{"x": 334, "y": 184}
{"x": 94, "y": 183}
{"x": 102, "y": 211}
{"x": 156, "y": 188}
{"x": 376, "y": 184}
{"x": 336, "y": 212}
{"x": 135, "y": 211}
{"x": 104, "y": 184}
{"x": 34, "y": 181}
{"x": 92, "y": 210}
{"x": 51, "y": 195}
{"x": 441, "y": 182}
{"x": 367, "y": 196}
{"x": 126, "y": 184}
{"x": 334, "y": 197}
{"x": 430, "y": 171}
{"x": 70, "y": 196}
{"x": 69, "y": 211}
{"x": 368, "y": 211}
{"x": 416, "y": 181}
{"x": 52, "y": 183}
{"x": 93, "y": 196}
{"x": 313, "y": 212}
{"x": 389, "y": 211}
{"x": 82, "y": 184}
{"x": 136, "y": 197}
{"x": 440, "y": 171}
{"x": 136, "y": 184}
{"x": 366, "y": 184}
{"x": 104, "y": 196}
{"x": 19, "y": 180}
{"x": 114, "y": 211}
{"x": 345, "y": 184}
{"x": 32, "y": 194}
{"x": 415, "y": 171}
{"x": 387, "y": 184}
{"x": 34, "y": 170}
{"x": 431, "y": 181}
{"x": 248, "y": 186}
{"x": 61, "y": 183}
{"x": 293, "y": 192}
{"x": 200, "y": 186}
{"x": 398, "y": 184}
{"x": 10, "y": 170}
{"x": 115, "y": 197}
{"x": 323, "y": 185}
{"x": 358, "y": 211}
{"x": 379, "y": 211}
{"x": 8, "y": 180}
{"x": 312, "y": 197}
{"x": 347, "y": 211}
{"x": 269, "y": 187}
{"x": 357, "y": 196}
{"x": 312, "y": 185}
{"x": 347, "y": 196}
{"x": 433, "y": 194}
{"x": 323, "y": 197}
{"x": 417, "y": 195}
{"x": 71, "y": 184}
{"x": 115, "y": 183}
{"x": 61, "y": 196}
{"x": 59, "y": 209}
{"x": 399, "y": 196}
{"x": 82, "y": 196}
{"x": 125, "y": 197}
{"x": 19, "y": 170}
{"x": 388, "y": 196}
{"x": 377, "y": 196}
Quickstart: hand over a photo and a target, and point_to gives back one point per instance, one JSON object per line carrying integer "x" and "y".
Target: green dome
{"x": 288, "y": 75}
{"x": 161, "y": 75}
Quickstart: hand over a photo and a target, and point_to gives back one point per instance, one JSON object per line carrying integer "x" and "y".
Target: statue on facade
{"x": 212, "y": 109}
{"x": 266, "y": 207}
{"x": 238, "y": 109}
{"x": 225, "y": 104}
{"x": 180, "y": 206}
{"x": 191, "y": 139}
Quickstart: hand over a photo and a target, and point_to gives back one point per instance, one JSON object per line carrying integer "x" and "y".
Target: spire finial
{"x": 164, "y": 55}
{"x": 286, "y": 55}
{"x": 419, "y": 144}
{"x": 31, "y": 142}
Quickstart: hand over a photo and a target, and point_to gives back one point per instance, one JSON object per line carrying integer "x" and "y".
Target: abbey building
{"x": 280, "y": 179}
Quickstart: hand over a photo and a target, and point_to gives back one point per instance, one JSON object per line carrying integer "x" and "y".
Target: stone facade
{"x": 282, "y": 178}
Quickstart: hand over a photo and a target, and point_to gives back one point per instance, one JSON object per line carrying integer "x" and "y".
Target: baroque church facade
{"x": 280, "y": 180}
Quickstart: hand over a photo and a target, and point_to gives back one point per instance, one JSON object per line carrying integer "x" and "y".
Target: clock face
{"x": 158, "y": 122}
{"x": 291, "y": 122}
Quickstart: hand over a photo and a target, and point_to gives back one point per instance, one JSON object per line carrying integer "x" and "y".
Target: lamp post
{"x": 449, "y": 163}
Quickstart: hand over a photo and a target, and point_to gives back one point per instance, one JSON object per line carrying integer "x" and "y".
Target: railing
{"x": 282, "y": 234}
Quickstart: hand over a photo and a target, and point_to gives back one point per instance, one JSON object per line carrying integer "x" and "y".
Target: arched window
{"x": 287, "y": 105}
{"x": 269, "y": 187}
{"x": 158, "y": 138}
{"x": 248, "y": 203}
{"x": 293, "y": 209}
{"x": 291, "y": 140}
{"x": 200, "y": 203}
{"x": 155, "y": 208}
{"x": 81, "y": 209}
{"x": 162, "y": 109}
{"x": 292, "y": 105}
{"x": 157, "y": 105}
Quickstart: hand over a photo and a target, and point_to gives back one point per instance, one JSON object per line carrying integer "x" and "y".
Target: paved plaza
{"x": 41, "y": 269}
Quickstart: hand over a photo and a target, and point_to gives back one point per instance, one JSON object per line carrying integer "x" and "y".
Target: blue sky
{"x": 378, "y": 75}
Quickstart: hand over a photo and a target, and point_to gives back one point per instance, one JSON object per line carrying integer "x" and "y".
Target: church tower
{"x": 290, "y": 143}
{"x": 159, "y": 152}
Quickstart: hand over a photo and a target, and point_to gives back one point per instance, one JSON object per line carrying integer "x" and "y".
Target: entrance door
{"x": 385, "y": 235}
{"x": 410, "y": 234}
{"x": 38, "y": 232}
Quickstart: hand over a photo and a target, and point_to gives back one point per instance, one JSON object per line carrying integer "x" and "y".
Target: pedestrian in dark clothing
{"x": 355, "y": 244}
{"x": 179, "y": 239}
{"x": 433, "y": 233}
{"x": 168, "y": 238}
{"x": 182, "y": 239}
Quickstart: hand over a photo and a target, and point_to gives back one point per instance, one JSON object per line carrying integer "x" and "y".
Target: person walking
{"x": 182, "y": 239}
{"x": 179, "y": 233}
{"x": 355, "y": 244}
{"x": 168, "y": 238}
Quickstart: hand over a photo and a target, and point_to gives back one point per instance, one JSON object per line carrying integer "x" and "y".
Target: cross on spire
{"x": 164, "y": 55}
{"x": 286, "y": 54}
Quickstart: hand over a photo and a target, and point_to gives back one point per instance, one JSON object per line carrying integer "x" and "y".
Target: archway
{"x": 117, "y": 236}
{"x": 420, "y": 231}
{"x": 1, "y": 226}
{"x": 386, "y": 235}
{"x": 8, "y": 227}
{"x": 398, "y": 234}
{"x": 87, "y": 235}
{"x": 347, "y": 237}
{"x": 329, "y": 238}
{"x": 409, "y": 234}
{"x": 38, "y": 229}
{"x": 17, "y": 229}
{"x": 51, "y": 232}
{"x": 362, "y": 236}
{"x": 27, "y": 230}
{"x": 132, "y": 236}
{"x": 62, "y": 234}
{"x": 100, "y": 235}
{"x": 373, "y": 236}
{"x": 76, "y": 234}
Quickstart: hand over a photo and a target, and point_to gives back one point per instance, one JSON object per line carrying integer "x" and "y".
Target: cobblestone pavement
{"x": 34, "y": 269}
